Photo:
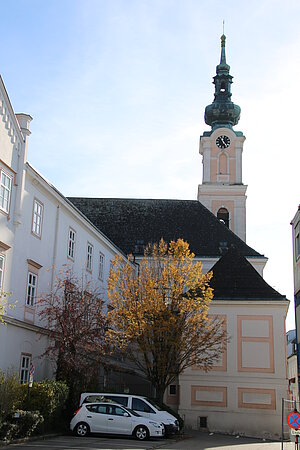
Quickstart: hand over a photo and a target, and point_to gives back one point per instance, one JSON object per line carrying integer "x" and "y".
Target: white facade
{"x": 296, "y": 266}
{"x": 41, "y": 234}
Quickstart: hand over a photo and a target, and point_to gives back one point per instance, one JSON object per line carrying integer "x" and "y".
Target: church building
{"x": 243, "y": 392}
{"x": 42, "y": 231}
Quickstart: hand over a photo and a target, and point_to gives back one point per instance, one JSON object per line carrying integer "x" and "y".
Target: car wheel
{"x": 82, "y": 429}
{"x": 141, "y": 433}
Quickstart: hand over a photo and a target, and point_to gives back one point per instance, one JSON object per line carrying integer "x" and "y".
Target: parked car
{"x": 142, "y": 405}
{"x": 112, "y": 418}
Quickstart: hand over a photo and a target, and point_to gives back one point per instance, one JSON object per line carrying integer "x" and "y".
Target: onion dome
{"x": 222, "y": 112}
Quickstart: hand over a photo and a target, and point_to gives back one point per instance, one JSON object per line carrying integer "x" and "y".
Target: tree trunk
{"x": 159, "y": 392}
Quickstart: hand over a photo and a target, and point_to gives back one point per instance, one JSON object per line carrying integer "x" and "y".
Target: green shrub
{"x": 11, "y": 393}
{"x": 20, "y": 424}
{"x": 49, "y": 398}
{"x": 46, "y": 398}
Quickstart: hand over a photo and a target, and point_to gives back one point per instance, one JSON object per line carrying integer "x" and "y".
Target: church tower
{"x": 222, "y": 190}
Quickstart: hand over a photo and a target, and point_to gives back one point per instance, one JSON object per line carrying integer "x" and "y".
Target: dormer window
{"x": 223, "y": 87}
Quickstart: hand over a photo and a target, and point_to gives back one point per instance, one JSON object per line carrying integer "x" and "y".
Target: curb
{"x": 30, "y": 439}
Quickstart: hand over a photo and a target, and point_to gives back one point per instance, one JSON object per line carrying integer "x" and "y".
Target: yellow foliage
{"x": 4, "y": 305}
{"x": 159, "y": 311}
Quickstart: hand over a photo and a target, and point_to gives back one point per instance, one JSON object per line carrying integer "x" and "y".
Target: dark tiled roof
{"x": 235, "y": 278}
{"x": 133, "y": 223}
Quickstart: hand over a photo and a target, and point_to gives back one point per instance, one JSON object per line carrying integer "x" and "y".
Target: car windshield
{"x": 153, "y": 404}
{"x": 133, "y": 412}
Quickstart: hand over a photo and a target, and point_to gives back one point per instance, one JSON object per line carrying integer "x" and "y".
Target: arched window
{"x": 223, "y": 216}
{"x": 223, "y": 164}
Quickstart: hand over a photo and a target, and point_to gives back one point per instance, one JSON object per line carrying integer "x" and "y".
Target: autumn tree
{"x": 159, "y": 313}
{"x": 73, "y": 315}
{"x": 5, "y": 306}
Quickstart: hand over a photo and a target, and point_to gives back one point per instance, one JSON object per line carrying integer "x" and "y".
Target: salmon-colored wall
{"x": 269, "y": 339}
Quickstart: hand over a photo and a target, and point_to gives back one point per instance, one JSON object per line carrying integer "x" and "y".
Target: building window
{"x": 89, "y": 258}
{"x": 297, "y": 241}
{"x": 31, "y": 289}
{"x": 101, "y": 265}
{"x": 173, "y": 389}
{"x": 1, "y": 270}
{"x": 24, "y": 370}
{"x": 37, "y": 218}
{"x": 71, "y": 243}
{"x": 223, "y": 216}
{"x": 5, "y": 191}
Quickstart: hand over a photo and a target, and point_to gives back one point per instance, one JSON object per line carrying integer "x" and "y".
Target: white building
{"x": 296, "y": 265}
{"x": 41, "y": 233}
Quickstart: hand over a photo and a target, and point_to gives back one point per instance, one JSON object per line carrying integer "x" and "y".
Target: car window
{"x": 118, "y": 399}
{"x": 140, "y": 405}
{"x": 133, "y": 412}
{"x": 102, "y": 409}
{"x": 94, "y": 398}
{"x": 154, "y": 404}
{"x": 92, "y": 408}
{"x": 119, "y": 411}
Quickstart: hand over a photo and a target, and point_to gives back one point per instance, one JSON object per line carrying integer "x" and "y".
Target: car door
{"x": 119, "y": 421}
{"x": 97, "y": 418}
{"x": 142, "y": 408}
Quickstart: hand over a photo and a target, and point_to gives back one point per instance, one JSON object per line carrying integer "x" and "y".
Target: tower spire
{"x": 222, "y": 112}
{"x": 223, "y": 53}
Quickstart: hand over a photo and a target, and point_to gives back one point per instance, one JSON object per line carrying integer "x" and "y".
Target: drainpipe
{"x": 54, "y": 248}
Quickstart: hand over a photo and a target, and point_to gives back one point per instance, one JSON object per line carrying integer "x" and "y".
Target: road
{"x": 197, "y": 441}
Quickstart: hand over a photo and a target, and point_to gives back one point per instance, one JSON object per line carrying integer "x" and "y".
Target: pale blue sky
{"x": 117, "y": 90}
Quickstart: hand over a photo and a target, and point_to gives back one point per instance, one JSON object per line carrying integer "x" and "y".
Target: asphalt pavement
{"x": 192, "y": 441}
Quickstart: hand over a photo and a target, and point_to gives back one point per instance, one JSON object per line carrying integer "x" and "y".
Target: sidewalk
{"x": 205, "y": 441}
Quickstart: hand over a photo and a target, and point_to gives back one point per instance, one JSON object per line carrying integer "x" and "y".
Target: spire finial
{"x": 222, "y": 112}
{"x": 223, "y": 54}
{"x": 223, "y": 26}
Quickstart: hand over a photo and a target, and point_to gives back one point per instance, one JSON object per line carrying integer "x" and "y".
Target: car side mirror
{"x": 126, "y": 414}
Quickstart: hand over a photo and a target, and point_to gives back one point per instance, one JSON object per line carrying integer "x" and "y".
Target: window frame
{"x": 71, "y": 244}
{"x": 35, "y": 224}
{"x": 25, "y": 369}
{"x": 297, "y": 241}
{"x": 30, "y": 299}
{"x": 101, "y": 266}
{"x": 89, "y": 256}
{"x": 173, "y": 394}
{"x": 2, "y": 258}
{"x": 10, "y": 177}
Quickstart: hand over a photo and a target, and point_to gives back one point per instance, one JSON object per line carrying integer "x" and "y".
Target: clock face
{"x": 223, "y": 141}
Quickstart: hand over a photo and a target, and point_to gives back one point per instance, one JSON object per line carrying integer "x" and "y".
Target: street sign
{"x": 295, "y": 432}
{"x": 293, "y": 420}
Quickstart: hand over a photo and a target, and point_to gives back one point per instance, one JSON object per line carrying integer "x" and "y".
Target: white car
{"x": 140, "y": 404}
{"x": 112, "y": 418}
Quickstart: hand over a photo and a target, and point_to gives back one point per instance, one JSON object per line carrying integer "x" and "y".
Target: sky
{"x": 117, "y": 91}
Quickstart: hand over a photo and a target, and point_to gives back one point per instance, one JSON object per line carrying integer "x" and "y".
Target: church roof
{"x": 133, "y": 223}
{"x": 234, "y": 278}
